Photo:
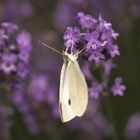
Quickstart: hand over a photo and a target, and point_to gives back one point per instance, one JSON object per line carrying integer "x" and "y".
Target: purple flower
{"x": 25, "y": 47}
{"x": 86, "y": 21}
{"x": 96, "y": 56}
{"x": 132, "y": 130}
{"x": 9, "y": 58}
{"x": 93, "y": 42}
{"x": 106, "y": 29}
{"x": 118, "y": 88}
{"x": 8, "y": 68}
{"x": 114, "y": 35}
{"x": 37, "y": 103}
{"x": 103, "y": 25}
{"x": 22, "y": 70}
{"x": 71, "y": 37}
{"x": 8, "y": 64}
{"x": 38, "y": 88}
{"x": 16, "y": 10}
{"x": 91, "y": 36}
{"x": 113, "y": 50}
{"x": 24, "y": 56}
{"x": 97, "y": 36}
{"x": 41, "y": 92}
{"x": 21, "y": 100}
{"x": 95, "y": 90}
{"x": 108, "y": 66}
{"x": 86, "y": 70}
{"x": 9, "y": 27}
{"x": 63, "y": 14}
{"x": 24, "y": 41}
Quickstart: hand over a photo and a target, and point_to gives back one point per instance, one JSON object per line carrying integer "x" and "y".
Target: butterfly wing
{"x": 78, "y": 88}
{"x": 66, "y": 112}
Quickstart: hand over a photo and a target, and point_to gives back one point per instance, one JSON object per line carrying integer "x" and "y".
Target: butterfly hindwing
{"x": 66, "y": 112}
{"x": 77, "y": 88}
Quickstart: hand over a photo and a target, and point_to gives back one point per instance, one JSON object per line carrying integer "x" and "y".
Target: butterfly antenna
{"x": 81, "y": 50}
{"x": 50, "y": 47}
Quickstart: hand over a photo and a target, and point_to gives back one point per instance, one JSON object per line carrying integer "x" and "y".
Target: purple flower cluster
{"x": 36, "y": 103}
{"x": 15, "y": 50}
{"x": 42, "y": 93}
{"x": 22, "y": 102}
{"x": 16, "y": 10}
{"x": 65, "y": 11}
{"x": 97, "y": 38}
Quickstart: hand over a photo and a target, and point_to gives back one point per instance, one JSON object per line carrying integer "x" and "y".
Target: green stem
{"x": 107, "y": 106}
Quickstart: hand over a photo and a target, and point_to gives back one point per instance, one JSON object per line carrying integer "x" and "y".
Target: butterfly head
{"x": 68, "y": 56}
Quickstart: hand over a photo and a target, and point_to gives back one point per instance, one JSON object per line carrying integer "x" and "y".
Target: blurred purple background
{"x": 29, "y": 72}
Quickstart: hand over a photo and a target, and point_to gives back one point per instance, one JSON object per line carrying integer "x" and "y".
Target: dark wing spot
{"x": 69, "y": 102}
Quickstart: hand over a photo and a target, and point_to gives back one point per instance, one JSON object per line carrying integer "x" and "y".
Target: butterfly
{"x": 73, "y": 92}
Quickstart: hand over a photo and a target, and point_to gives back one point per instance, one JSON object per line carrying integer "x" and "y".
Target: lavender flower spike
{"x": 15, "y": 50}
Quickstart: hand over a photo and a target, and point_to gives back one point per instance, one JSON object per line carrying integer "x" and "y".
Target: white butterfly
{"x": 73, "y": 93}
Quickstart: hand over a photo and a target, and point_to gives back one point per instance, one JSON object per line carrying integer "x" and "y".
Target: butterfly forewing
{"x": 66, "y": 112}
